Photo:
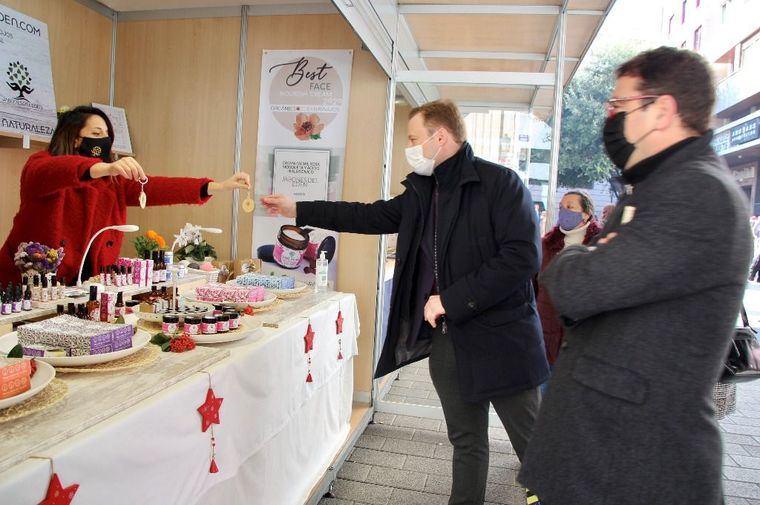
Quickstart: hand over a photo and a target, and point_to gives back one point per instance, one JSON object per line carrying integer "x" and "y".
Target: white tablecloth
{"x": 277, "y": 435}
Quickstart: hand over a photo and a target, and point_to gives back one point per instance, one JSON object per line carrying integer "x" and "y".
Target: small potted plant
{"x": 196, "y": 252}
{"x": 149, "y": 242}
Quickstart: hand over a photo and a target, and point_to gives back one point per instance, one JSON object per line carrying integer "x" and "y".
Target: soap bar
{"x": 15, "y": 376}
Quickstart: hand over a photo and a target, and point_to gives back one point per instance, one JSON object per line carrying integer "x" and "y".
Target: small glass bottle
{"x": 93, "y": 305}
{"x": 71, "y": 309}
{"x": 36, "y": 290}
{"x": 119, "y": 309}
{"x": 44, "y": 291}
{"x": 53, "y": 288}
{"x": 6, "y": 306}
{"x": 61, "y": 288}
{"x": 18, "y": 302}
{"x": 60, "y": 309}
{"x": 26, "y": 304}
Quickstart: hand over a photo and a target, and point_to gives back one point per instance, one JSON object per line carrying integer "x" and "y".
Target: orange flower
{"x": 151, "y": 234}
{"x": 307, "y": 127}
{"x": 161, "y": 242}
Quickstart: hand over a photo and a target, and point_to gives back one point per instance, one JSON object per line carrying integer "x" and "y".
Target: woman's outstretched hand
{"x": 240, "y": 180}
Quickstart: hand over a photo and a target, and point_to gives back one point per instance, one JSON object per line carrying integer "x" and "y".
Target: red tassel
{"x": 214, "y": 468}
{"x": 308, "y": 378}
{"x": 340, "y": 355}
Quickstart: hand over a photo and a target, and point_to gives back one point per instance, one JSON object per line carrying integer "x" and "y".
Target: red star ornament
{"x": 339, "y": 323}
{"x": 309, "y": 339}
{"x": 210, "y": 410}
{"x": 57, "y": 494}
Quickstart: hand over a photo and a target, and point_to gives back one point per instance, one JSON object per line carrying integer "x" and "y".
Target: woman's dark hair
{"x": 70, "y": 123}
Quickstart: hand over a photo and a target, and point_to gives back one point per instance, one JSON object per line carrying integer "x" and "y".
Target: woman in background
{"x": 576, "y": 225}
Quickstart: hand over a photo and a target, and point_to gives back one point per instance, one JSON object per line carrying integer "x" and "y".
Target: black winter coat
{"x": 488, "y": 250}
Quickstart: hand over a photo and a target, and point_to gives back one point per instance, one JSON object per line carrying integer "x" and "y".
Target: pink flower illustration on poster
{"x": 307, "y": 127}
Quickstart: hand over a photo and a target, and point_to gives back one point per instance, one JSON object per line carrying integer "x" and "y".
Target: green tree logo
{"x": 19, "y": 79}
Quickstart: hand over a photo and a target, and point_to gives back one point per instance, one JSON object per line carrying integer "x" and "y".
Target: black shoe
{"x": 531, "y": 498}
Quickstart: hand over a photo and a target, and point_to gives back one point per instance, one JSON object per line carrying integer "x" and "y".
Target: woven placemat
{"x": 144, "y": 357}
{"x": 52, "y": 394}
{"x": 293, "y": 296}
{"x": 269, "y": 307}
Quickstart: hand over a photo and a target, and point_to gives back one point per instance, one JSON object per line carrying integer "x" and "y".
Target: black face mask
{"x": 617, "y": 146}
{"x": 99, "y": 147}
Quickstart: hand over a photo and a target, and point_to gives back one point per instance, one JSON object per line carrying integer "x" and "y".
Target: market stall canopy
{"x": 483, "y": 54}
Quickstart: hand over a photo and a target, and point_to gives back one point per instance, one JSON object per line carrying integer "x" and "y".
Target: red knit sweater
{"x": 62, "y": 205}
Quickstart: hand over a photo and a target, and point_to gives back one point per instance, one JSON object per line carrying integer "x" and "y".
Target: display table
{"x": 278, "y": 434}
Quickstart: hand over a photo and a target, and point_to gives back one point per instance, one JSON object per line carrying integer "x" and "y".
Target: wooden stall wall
{"x": 177, "y": 80}
{"x": 357, "y": 254}
{"x": 80, "y": 54}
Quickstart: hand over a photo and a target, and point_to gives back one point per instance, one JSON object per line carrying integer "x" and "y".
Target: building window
{"x": 697, "y": 38}
{"x": 683, "y": 12}
{"x": 750, "y": 51}
{"x": 670, "y": 24}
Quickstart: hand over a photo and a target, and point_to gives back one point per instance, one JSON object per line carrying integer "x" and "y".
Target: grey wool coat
{"x": 628, "y": 416}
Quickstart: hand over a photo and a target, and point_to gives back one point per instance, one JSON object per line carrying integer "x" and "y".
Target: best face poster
{"x": 303, "y": 119}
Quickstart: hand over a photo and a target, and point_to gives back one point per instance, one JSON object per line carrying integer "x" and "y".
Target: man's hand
{"x": 279, "y": 205}
{"x": 433, "y": 310}
{"x": 607, "y": 239}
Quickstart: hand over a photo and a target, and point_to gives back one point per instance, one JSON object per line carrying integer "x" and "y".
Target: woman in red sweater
{"x": 74, "y": 189}
{"x": 576, "y": 225}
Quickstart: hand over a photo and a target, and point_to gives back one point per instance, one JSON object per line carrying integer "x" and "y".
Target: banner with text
{"x": 303, "y": 120}
{"x": 27, "y": 100}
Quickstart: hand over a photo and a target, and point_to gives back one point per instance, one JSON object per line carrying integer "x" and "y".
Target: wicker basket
{"x": 724, "y": 398}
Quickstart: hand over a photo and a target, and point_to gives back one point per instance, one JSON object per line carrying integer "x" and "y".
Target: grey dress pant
{"x": 467, "y": 423}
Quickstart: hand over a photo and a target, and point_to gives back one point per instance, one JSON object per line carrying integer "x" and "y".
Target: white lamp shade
{"x": 126, "y": 227}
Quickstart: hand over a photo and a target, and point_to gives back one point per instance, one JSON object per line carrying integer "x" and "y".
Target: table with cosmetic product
{"x": 40, "y": 309}
{"x": 136, "y": 436}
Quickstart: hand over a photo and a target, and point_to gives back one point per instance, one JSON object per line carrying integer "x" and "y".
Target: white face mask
{"x": 416, "y": 158}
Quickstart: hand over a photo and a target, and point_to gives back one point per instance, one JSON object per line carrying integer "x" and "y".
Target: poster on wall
{"x": 122, "y": 143}
{"x": 301, "y": 173}
{"x": 27, "y": 100}
{"x": 303, "y": 120}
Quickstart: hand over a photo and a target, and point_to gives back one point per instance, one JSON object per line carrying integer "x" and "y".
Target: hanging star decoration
{"x": 57, "y": 494}
{"x": 309, "y": 339}
{"x": 338, "y": 331}
{"x": 210, "y": 410}
{"x": 308, "y": 346}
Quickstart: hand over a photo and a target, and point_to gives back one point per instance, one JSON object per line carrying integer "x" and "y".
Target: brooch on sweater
{"x": 628, "y": 212}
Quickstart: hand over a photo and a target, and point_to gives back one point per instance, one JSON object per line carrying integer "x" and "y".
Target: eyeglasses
{"x": 612, "y": 103}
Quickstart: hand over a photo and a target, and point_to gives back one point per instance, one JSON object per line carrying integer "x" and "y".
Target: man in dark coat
{"x": 467, "y": 250}
{"x": 650, "y": 309}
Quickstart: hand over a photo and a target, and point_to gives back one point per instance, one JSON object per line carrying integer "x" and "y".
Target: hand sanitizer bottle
{"x": 321, "y": 284}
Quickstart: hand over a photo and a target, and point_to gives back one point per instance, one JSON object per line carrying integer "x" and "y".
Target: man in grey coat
{"x": 650, "y": 308}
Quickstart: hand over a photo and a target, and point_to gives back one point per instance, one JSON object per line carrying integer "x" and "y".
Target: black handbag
{"x": 743, "y": 361}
